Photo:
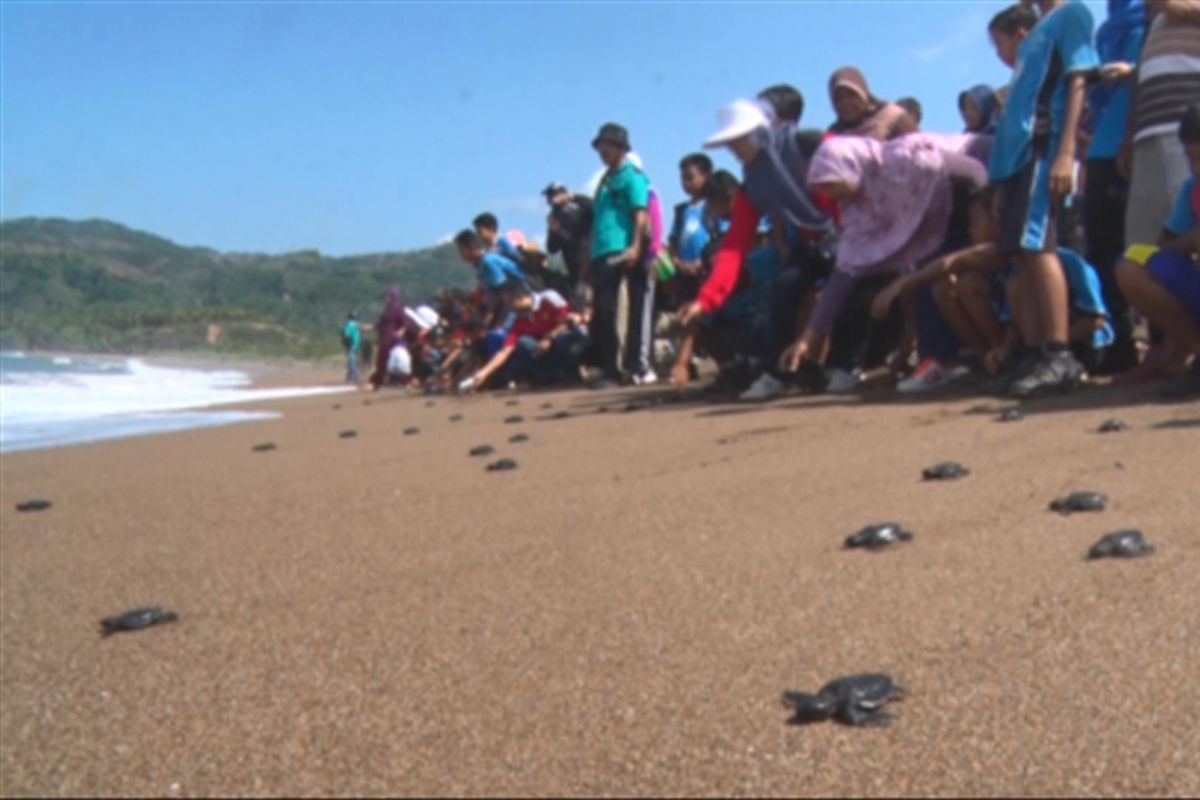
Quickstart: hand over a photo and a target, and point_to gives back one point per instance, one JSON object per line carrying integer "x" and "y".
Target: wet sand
{"x": 619, "y": 615}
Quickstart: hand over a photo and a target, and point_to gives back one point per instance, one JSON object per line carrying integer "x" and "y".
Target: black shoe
{"x": 1055, "y": 372}
{"x": 1002, "y": 383}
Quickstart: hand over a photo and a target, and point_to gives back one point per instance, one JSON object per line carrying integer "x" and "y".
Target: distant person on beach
{"x": 569, "y": 233}
{"x": 1163, "y": 281}
{"x": 690, "y": 231}
{"x": 978, "y": 107}
{"x": 775, "y": 162}
{"x": 1119, "y": 42}
{"x": 352, "y": 342}
{"x": 620, "y": 233}
{"x": 976, "y": 291}
{"x": 390, "y": 330}
{"x": 896, "y": 199}
{"x": 860, "y": 113}
{"x": 1033, "y": 163}
{"x": 543, "y": 347}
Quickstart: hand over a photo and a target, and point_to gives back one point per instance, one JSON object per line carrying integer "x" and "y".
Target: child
{"x": 543, "y": 345}
{"x": 689, "y": 233}
{"x": 487, "y": 227}
{"x": 963, "y": 288}
{"x": 1163, "y": 283}
{"x": 1033, "y": 164}
{"x": 977, "y": 106}
{"x": 492, "y": 271}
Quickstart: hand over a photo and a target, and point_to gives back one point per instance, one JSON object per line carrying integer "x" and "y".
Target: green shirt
{"x": 621, "y": 193}
{"x": 352, "y": 333}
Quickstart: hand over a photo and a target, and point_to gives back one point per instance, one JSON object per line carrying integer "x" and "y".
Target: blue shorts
{"x": 1180, "y": 276}
{"x": 1027, "y": 210}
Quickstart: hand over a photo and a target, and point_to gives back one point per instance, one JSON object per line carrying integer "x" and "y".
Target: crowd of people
{"x": 1055, "y": 236}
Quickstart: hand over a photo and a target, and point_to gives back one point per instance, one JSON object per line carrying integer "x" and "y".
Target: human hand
{"x": 543, "y": 345}
{"x": 689, "y": 313}
{"x": 1062, "y": 176}
{"x": 793, "y": 357}
{"x": 1116, "y": 71}
{"x": 467, "y": 384}
{"x": 630, "y": 257}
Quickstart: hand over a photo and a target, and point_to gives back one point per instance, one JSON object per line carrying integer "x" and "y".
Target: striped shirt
{"x": 1169, "y": 76}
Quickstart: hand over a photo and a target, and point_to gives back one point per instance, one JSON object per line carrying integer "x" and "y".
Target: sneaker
{"x": 1055, "y": 372}
{"x": 930, "y": 374}
{"x": 766, "y": 387}
{"x": 647, "y": 378}
{"x": 1002, "y": 383}
{"x": 843, "y": 381}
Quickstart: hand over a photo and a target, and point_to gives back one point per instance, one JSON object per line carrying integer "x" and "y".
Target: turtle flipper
{"x": 808, "y": 707}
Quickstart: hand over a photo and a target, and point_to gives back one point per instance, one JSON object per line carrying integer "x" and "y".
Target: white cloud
{"x": 447, "y": 239}
{"x": 964, "y": 32}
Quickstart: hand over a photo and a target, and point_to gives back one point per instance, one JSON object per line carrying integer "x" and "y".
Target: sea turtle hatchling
{"x": 347, "y": 434}
{"x": 945, "y": 471}
{"x": 265, "y": 447}
{"x": 136, "y": 620}
{"x": 482, "y": 450}
{"x": 1012, "y": 415}
{"x": 853, "y": 700}
{"x": 412, "y": 431}
{"x": 34, "y": 504}
{"x": 503, "y": 465}
{"x": 1079, "y": 501}
{"x": 877, "y": 537}
{"x": 456, "y": 417}
{"x": 1126, "y": 543}
{"x": 1112, "y": 426}
{"x": 515, "y": 419}
{"x": 517, "y": 438}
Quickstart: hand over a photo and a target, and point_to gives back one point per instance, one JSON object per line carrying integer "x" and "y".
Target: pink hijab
{"x": 903, "y": 204}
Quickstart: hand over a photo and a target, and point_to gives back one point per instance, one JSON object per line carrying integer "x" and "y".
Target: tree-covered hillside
{"x": 99, "y": 286}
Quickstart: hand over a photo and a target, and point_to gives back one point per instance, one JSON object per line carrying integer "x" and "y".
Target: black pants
{"x": 858, "y": 338}
{"x": 606, "y": 288}
{"x": 1105, "y": 195}
{"x": 797, "y": 279}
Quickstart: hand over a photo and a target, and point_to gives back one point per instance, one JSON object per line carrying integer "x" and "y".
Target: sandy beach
{"x": 619, "y": 615}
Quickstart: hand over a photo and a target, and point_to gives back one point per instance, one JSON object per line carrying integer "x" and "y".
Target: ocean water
{"x": 50, "y": 401}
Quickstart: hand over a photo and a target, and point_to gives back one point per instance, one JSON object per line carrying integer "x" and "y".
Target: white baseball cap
{"x": 736, "y": 120}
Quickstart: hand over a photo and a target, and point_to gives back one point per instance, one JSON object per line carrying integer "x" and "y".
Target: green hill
{"x": 99, "y": 286}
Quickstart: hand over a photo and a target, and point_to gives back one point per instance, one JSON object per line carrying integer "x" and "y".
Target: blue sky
{"x": 360, "y": 127}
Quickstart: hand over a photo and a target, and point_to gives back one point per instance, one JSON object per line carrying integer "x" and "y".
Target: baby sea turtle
{"x": 512, "y": 402}
{"x": 34, "y": 504}
{"x": 1079, "y": 501}
{"x": 265, "y": 447}
{"x": 502, "y": 465}
{"x": 482, "y": 450}
{"x": 877, "y": 537}
{"x": 430, "y": 403}
{"x": 853, "y": 700}
{"x": 564, "y": 414}
{"x": 456, "y": 417}
{"x": 136, "y": 620}
{"x": 411, "y": 431}
{"x": 1012, "y": 415}
{"x": 513, "y": 420}
{"x": 1127, "y": 543}
{"x": 945, "y": 471}
{"x": 545, "y": 406}
{"x": 336, "y": 406}
{"x": 517, "y": 438}
{"x": 601, "y": 409}
{"x": 348, "y": 434}
{"x": 1112, "y": 426}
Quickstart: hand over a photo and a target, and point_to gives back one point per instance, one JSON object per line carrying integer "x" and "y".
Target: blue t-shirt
{"x": 494, "y": 270}
{"x": 1084, "y": 294}
{"x": 506, "y": 248}
{"x": 1111, "y": 104}
{"x": 1183, "y": 216}
{"x": 1058, "y": 46}
{"x": 353, "y": 335}
{"x": 689, "y": 232}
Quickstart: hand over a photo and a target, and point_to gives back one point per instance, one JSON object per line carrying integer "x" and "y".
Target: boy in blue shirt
{"x": 690, "y": 230}
{"x": 1033, "y": 165}
{"x": 1163, "y": 282}
{"x": 492, "y": 271}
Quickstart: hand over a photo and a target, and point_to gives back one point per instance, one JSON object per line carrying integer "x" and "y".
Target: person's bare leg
{"x": 1048, "y": 286}
{"x": 1024, "y": 315}
{"x": 949, "y": 302}
{"x": 1159, "y": 306}
{"x": 975, "y": 294}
